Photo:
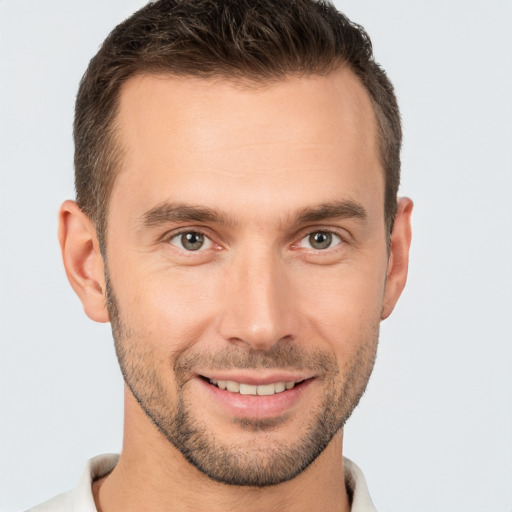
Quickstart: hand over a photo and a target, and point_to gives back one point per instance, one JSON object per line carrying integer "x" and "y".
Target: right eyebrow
{"x": 179, "y": 212}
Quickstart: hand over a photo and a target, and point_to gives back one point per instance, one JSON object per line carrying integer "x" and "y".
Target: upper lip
{"x": 255, "y": 377}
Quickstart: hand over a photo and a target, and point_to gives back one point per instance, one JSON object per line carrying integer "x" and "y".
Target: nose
{"x": 258, "y": 302}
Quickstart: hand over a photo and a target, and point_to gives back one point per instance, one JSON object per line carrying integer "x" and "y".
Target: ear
{"x": 82, "y": 260}
{"x": 398, "y": 263}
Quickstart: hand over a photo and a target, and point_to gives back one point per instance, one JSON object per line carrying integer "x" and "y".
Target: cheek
{"x": 168, "y": 308}
{"x": 344, "y": 305}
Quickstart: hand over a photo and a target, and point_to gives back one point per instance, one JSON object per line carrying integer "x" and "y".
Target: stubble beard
{"x": 262, "y": 462}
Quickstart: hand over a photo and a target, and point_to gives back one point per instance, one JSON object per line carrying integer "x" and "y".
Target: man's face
{"x": 247, "y": 262}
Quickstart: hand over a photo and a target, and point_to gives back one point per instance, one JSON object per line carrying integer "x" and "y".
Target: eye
{"x": 191, "y": 241}
{"x": 320, "y": 240}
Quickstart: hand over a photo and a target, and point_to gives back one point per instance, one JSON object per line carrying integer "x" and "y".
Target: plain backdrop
{"x": 434, "y": 431}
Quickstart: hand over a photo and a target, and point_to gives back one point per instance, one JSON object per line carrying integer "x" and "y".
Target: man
{"x": 237, "y": 166}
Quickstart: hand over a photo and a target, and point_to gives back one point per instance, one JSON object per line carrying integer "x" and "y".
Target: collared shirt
{"x": 80, "y": 499}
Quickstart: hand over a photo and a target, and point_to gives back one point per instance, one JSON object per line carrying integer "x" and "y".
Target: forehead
{"x": 312, "y": 138}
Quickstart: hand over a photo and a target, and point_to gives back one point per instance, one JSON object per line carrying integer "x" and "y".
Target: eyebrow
{"x": 346, "y": 209}
{"x": 179, "y": 212}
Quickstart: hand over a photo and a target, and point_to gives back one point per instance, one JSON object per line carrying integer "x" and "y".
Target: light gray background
{"x": 434, "y": 431}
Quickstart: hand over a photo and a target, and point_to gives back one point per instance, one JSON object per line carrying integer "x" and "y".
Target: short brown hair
{"x": 260, "y": 40}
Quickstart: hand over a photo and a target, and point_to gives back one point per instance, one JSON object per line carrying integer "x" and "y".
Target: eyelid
{"x": 168, "y": 237}
{"x": 345, "y": 236}
{"x": 332, "y": 246}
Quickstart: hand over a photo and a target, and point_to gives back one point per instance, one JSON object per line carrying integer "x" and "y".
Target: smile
{"x": 257, "y": 394}
{"x": 252, "y": 389}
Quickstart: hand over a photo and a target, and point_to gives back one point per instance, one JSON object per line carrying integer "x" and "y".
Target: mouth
{"x": 256, "y": 394}
{"x": 244, "y": 388}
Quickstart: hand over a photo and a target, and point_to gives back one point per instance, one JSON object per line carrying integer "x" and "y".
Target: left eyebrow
{"x": 347, "y": 209}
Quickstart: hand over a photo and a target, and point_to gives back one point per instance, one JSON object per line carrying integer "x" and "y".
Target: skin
{"x": 261, "y": 158}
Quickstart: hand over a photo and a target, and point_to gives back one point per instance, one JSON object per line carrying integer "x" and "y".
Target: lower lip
{"x": 257, "y": 407}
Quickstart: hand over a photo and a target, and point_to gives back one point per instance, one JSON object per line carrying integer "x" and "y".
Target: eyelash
{"x": 303, "y": 236}
{"x": 330, "y": 233}
{"x": 190, "y": 231}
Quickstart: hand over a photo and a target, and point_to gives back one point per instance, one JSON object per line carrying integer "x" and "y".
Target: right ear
{"x": 83, "y": 260}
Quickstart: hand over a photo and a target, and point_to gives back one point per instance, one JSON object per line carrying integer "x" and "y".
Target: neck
{"x": 153, "y": 475}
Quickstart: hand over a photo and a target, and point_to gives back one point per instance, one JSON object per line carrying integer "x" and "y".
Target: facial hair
{"x": 263, "y": 462}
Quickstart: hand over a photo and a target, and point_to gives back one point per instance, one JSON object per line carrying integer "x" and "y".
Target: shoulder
{"x": 59, "y": 503}
{"x": 80, "y": 499}
{"x": 357, "y": 488}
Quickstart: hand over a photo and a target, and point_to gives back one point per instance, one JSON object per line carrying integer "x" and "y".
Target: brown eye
{"x": 191, "y": 241}
{"x": 320, "y": 240}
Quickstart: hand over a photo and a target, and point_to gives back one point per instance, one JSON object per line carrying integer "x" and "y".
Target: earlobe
{"x": 82, "y": 260}
{"x": 398, "y": 264}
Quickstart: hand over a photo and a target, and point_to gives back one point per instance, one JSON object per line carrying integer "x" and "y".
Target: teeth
{"x": 281, "y": 386}
{"x": 232, "y": 386}
{"x": 266, "y": 389}
{"x": 248, "y": 389}
{"x": 251, "y": 389}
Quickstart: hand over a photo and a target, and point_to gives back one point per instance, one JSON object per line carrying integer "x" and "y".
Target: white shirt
{"x": 80, "y": 499}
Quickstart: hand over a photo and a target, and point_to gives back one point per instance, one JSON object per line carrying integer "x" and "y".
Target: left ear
{"x": 398, "y": 263}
